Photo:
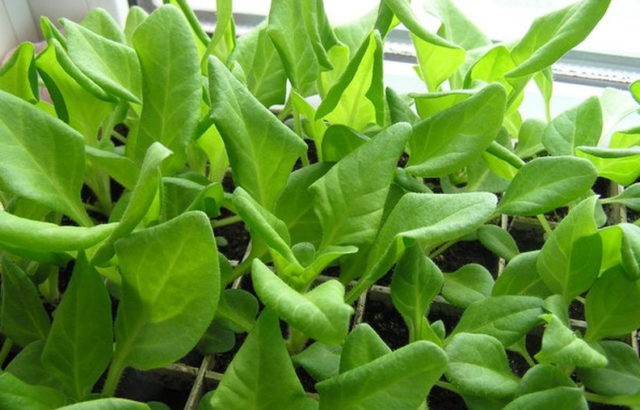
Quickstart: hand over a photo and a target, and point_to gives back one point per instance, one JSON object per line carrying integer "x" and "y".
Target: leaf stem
{"x": 545, "y": 224}
{"x": 4, "y": 352}
{"x": 113, "y": 377}
{"x": 447, "y": 386}
{"x": 442, "y": 249}
{"x": 230, "y": 220}
{"x": 619, "y": 400}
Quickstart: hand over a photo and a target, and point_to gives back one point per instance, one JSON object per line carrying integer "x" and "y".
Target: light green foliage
{"x": 159, "y": 319}
{"x": 581, "y": 125}
{"x": 80, "y": 343}
{"x": 570, "y": 259}
{"x": 18, "y": 395}
{"x": 620, "y": 377}
{"x": 320, "y": 360}
{"x": 617, "y": 164}
{"x": 100, "y": 22}
{"x": 499, "y": 241}
{"x": 469, "y": 284}
{"x": 363, "y": 345}
{"x": 520, "y": 277}
{"x": 112, "y": 403}
{"x": 18, "y": 74}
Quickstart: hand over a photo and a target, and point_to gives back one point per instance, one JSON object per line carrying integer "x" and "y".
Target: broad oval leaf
{"x": 478, "y": 366}
{"x": 544, "y": 184}
{"x": 320, "y": 360}
{"x": 263, "y": 353}
{"x": 320, "y": 313}
{"x": 24, "y": 319}
{"x": 82, "y": 320}
{"x": 18, "y": 395}
{"x": 570, "y": 259}
{"x": 520, "y": 277}
{"x": 350, "y": 198}
{"x": 620, "y": 165}
{"x": 498, "y": 241}
{"x": 400, "y": 379}
{"x": 170, "y": 290}
{"x": 111, "y": 403}
{"x": 467, "y": 285}
{"x": 453, "y": 138}
{"x": 621, "y": 375}
{"x": 253, "y": 136}
{"x": 362, "y": 346}
{"x": 581, "y": 125}
{"x": 171, "y": 85}
{"x": 41, "y": 158}
{"x": 545, "y": 386}
{"x": 505, "y": 318}
{"x": 609, "y": 316}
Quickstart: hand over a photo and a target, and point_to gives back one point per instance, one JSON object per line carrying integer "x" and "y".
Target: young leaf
{"x": 119, "y": 167}
{"x": 350, "y": 198}
{"x": 24, "y": 319}
{"x": 456, "y": 27}
{"x": 22, "y": 233}
{"x": 430, "y": 104}
{"x": 520, "y": 277}
{"x": 630, "y": 250}
{"x": 581, "y": 125}
{"x": 612, "y": 316}
{"x": 259, "y": 59}
{"x": 362, "y": 346}
{"x": 243, "y": 385}
{"x": 142, "y": 196}
{"x": 478, "y": 366}
{"x": 27, "y": 366}
{"x": 552, "y": 35}
{"x": 339, "y": 141}
{"x": 357, "y": 99}
{"x": 530, "y": 138}
{"x": 617, "y": 164}
{"x": 545, "y": 386}
{"x": 547, "y": 183}
{"x": 621, "y": 375}
{"x": 561, "y": 346}
{"x": 18, "y": 395}
{"x": 168, "y": 297}
{"x": 320, "y": 360}
{"x": 253, "y": 136}
{"x": 41, "y": 158}
{"x": 498, "y": 241}
{"x": 99, "y": 21}
{"x": 467, "y": 285}
{"x": 18, "y": 74}
{"x": 570, "y": 260}
{"x": 505, "y": 318}
{"x": 112, "y": 65}
{"x": 404, "y": 13}
{"x": 400, "y": 379}
{"x": 630, "y": 197}
{"x": 135, "y": 17}
{"x": 453, "y": 138}
{"x": 399, "y": 108}
{"x": 415, "y": 283}
{"x": 80, "y": 342}
{"x": 171, "y": 73}
{"x": 111, "y": 403}
{"x": 430, "y": 219}
{"x": 436, "y": 63}
{"x": 320, "y": 313}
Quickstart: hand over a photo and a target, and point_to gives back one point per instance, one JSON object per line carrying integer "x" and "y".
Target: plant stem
{"x": 447, "y": 386}
{"x": 4, "y": 352}
{"x": 113, "y": 377}
{"x": 545, "y": 224}
{"x": 441, "y": 249}
{"x": 527, "y": 357}
{"x": 619, "y": 400}
{"x": 230, "y": 220}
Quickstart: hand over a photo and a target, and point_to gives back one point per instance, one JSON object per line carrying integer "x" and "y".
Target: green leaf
{"x": 545, "y": 386}
{"x": 436, "y": 63}
{"x": 432, "y": 103}
{"x": 492, "y": 66}
{"x": 82, "y": 321}
{"x": 362, "y": 346}
{"x": 26, "y": 234}
{"x": 142, "y": 196}
{"x": 253, "y": 136}
{"x": 400, "y": 379}
{"x": 41, "y": 158}
{"x": 399, "y": 108}
{"x": 237, "y": 310}
{"x": 478, "y": 366}
{"x": 349, "y": 199}
{"x": 429, "y": 219}
{"x": 581, "y": 125}
{"x": 111, "y": 403}
{"x": 547, "y": 183}
{"x": 339, "y": 141}
{"x": 259, "y": 59}
{"x": 119, "y": 167}
{"x": 505, "y": 318}
{"x": 630, "y": 197}
{"x": 24, "y": 319}
{"x": 630, "y": 250}
{"x": 415, "y": 283}
{"x": 320, "y": 313}
{"x": 169, "y": 299}
{"x": 112, "y": 65}
{"x": 621, "y": 375}
{"x": 552, "y": 35}
{"x": 561, "y": 346}
{"x": 530, "y": 138}
{"x": 612, "y": 316}
{"x": 467, "y": 285}
{"x": 289, "y": 30}
{"x": 453, "y": 138}
{"x": 569, "y": 261}
{"x": 403, "y": 11}
{"x": 635, "y": 90}
{"x": 243, "y": 385}
{"x": 18, "y": 74}
{"x": 498, "y": 241}
{"x": 357, "y": 98}
{"x": 27, "y": 366}
{"x": 171, "y": 85}
{"x": 135, "y": 17}
{"x": 520, "y": 277}
{"x": 320, "y": 360}
{"x": 100, "y": 22}
{"x": 18, "y": 395}
{"x": 620, "y": 165}
{"x": 456, "y": 27}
